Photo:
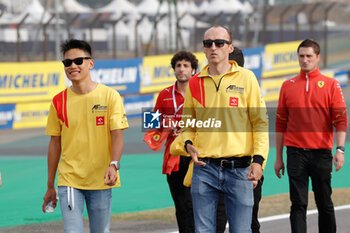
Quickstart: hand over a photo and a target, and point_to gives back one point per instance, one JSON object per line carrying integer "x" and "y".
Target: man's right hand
{"x": 279, "y": 165}
{"x": 192, "y": 150}
{"x": 50, "y": 196}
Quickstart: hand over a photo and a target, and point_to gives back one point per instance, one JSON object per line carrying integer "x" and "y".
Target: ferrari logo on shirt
{"x": 234, "y": 101}
{"x": 156, "y": 137}
{"x": 100, "y": 120}
{"x": 320, "y": 84}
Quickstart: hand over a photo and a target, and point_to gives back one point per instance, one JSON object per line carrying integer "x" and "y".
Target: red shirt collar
{"x": 176, "y": 90}
{"x": 311, "y": 74}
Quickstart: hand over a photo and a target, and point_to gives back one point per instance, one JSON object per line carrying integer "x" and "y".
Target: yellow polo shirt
{"x": 233, "y": 100}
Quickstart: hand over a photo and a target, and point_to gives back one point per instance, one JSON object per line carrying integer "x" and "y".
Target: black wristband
{"x": 341, "y": 149}
{"x": 258, "y": 159}
{"x": 187, "y": 142}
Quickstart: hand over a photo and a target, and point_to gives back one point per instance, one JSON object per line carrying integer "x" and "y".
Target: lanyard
{"x": 176, "y": 109}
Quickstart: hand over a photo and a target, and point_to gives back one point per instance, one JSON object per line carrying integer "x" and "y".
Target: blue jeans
{"x": 207, "y": 182}
{"x": 98, "y": 204}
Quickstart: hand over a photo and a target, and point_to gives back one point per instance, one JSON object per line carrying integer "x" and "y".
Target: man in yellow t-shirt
{"x": 85, "y": 123}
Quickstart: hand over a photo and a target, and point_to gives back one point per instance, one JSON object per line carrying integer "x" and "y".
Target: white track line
{"x": 309, "y": 212}
{"x": 284, "y": 216}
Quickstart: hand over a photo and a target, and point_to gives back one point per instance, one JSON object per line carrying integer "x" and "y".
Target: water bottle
{"x": 49, "y": 207}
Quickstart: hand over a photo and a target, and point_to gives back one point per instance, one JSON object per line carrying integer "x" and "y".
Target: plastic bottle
{"x": 49, "y": 207}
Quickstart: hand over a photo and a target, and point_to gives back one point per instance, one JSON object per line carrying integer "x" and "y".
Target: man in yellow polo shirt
{"x": 226, "y": 134}
{"x": 85, "y": 123}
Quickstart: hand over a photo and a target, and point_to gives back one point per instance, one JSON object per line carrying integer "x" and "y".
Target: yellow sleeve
{"x": 178, "y": 145}
{"x": 259, "y": 119}
{"x": 117, "y": 118}
{"x": 188, "y": 113}
{"x": 189, "y": 174}
{"x": 54, "y": 124}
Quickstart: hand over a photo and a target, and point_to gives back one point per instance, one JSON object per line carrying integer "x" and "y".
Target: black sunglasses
{"x": 77, "y": 61}
{"x": 218, "y": 43}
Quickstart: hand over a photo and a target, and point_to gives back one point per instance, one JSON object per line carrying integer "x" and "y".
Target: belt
{"x": 307, "y": 149}
{"x": 231, "y": 162}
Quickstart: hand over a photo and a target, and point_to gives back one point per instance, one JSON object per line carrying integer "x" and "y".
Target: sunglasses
{"x": 78, "y": 61}
{"x": 218, "y": 43}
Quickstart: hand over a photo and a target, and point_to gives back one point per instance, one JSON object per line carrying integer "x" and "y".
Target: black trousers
{"x": 221, "y": 218}
{"x": 182, "y": 197}
{"x": 257, "y": 198}
{"x": 317, "y": 164}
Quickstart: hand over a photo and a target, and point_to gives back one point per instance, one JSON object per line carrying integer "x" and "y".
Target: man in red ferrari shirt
{"x": 169, "y": 103}
{"x": 310, "y": 105}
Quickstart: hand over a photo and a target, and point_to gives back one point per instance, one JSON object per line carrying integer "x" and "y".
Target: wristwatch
{"x": 341, "y": 149}
{"x": 116, "y": 164}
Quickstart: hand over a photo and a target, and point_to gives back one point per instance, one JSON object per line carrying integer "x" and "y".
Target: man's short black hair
{"x": 237, "y": 55}
{"x": 310, "y": 43}
{"x": 76, "y": 44}
{"x": 187, "y": 56}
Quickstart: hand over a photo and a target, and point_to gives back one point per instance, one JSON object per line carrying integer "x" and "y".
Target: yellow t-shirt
{"x": 84, "y": 123}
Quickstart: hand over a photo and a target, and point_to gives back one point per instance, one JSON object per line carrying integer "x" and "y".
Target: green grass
{"x": 143, "y": 187}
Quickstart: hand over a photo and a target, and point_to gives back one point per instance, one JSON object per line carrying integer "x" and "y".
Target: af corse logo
{"x": 98, "y": 107}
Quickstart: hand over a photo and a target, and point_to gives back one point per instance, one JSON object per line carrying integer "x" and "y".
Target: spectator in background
{"x": 169, "y": 104}
{"x": 85, "y": 123}
{"x": 309, "y": 106}
{"x": 237, "y": 56}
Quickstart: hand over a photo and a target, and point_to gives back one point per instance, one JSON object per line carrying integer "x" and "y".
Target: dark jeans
{"x": 317, "y": 164}
{"x": 221, "y": 218}
{"x": 182, "y": 197}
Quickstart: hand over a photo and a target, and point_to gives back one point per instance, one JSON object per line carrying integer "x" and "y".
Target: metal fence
{"x": 326, "y": 22}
